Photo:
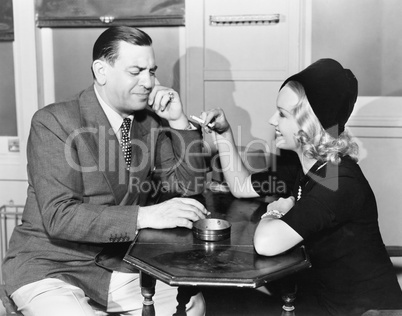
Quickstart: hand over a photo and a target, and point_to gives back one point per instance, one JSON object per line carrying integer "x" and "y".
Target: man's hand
{"x": 167, "y": 104}
{"x": 177, "y": 212}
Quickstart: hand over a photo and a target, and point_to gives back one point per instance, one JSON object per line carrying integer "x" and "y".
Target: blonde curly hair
{"x": 315, "y": 141}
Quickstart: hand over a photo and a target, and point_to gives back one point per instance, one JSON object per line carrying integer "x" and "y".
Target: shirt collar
{"x": 114, "y": 118}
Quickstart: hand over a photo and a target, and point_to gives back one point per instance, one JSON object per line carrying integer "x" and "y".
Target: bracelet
{"x": 273, "y": 213}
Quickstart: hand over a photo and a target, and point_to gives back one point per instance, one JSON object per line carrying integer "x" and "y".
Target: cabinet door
{"x": 239, "y": 66}
{"x": 248, "y": 105}
{"x": 256, "y": 50}
{"x": 381, "y": 149}
{"x": 377, "y": 125}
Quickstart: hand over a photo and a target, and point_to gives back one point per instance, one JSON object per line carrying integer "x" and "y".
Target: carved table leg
{"x": 184, "y": 294}
{"x": 182, "y": 299}
{"x": 288, "y": 293}
{"x": 147, "y": 290}
{"x": 285, "y": 313}
{"x": 288, "y": 307}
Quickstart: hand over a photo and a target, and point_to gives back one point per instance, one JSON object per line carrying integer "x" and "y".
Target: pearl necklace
{"x": 299, "y": 193}
{"x": 305, "y": 179}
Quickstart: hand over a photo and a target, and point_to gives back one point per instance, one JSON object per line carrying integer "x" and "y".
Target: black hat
{"x": 331, "y": 91}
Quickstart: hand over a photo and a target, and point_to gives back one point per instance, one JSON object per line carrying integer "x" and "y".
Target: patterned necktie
{"x": 125, "y": 141}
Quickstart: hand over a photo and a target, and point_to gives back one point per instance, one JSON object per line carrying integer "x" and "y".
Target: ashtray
{"x": 211, "y": 229}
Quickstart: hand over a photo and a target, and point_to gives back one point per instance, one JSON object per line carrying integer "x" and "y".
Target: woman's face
{"x": 286, "y": 126}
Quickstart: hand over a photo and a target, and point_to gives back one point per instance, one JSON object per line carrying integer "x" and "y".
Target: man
{"x": 90, "y": 173}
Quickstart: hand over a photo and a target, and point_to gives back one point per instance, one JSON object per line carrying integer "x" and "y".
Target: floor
{"x": 233, "y": 302}
{"x": 397, "y": 262}
{"x": 251, "y": 302}
{"x": 239, "y": 302}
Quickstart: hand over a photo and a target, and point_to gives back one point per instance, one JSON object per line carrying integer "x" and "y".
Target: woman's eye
{"x": 281, "y": 114}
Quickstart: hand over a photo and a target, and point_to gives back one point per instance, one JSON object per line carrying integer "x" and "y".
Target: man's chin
{"x": 140, "y": 106}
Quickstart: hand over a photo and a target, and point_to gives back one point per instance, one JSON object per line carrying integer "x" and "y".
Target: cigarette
{"x": 200, "y": 121}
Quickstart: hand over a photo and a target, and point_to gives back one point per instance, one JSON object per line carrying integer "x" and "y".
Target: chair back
{"x": 10, "y": 216}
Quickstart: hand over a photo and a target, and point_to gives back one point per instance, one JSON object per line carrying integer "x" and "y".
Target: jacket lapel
{"x": 103, "y": 144}
{"x": 141, "y": 143}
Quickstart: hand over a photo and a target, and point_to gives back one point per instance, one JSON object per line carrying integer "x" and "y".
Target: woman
{"x": 332, "y": 208}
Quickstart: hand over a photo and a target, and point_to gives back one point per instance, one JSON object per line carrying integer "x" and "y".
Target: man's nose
{"x": 147, "y": 81}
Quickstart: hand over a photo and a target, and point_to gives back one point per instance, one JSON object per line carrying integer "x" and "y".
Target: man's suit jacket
{"x": 82, "y": 204}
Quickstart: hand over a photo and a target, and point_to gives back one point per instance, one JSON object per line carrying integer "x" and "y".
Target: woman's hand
{"x": 273, "y": 236}
{"x": 282, "y": 205}
{"x": 217, "y": 120}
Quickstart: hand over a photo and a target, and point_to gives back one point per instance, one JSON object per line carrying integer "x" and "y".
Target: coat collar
{"x": 105, "y": 147}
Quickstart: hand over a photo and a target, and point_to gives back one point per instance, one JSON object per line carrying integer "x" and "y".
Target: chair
{"x": 10, "y": 216}
{"x": 289, "y": 297}
{"x": 393, "y": 252}
{"x": 11, "y": 309}
{"x": 383, "y": 313}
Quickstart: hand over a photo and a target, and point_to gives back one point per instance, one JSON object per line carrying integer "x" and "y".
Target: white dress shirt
{"x": 115, "y": 119}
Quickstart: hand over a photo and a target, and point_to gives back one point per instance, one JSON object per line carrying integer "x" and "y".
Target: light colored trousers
{"x": 53, "y": 297}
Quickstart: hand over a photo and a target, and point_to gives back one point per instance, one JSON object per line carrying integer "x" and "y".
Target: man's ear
{"x": 99, "y": 69}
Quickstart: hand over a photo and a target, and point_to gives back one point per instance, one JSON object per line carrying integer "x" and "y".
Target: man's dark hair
{"x": 107, "y": 45}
